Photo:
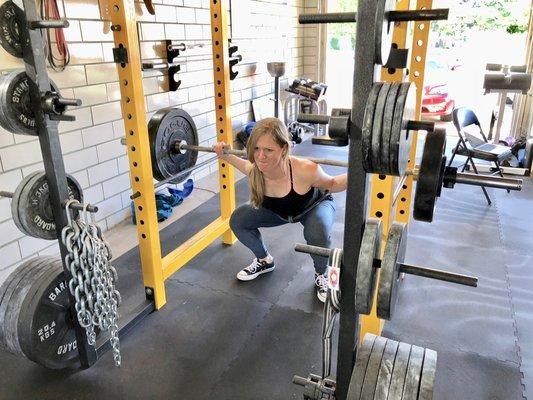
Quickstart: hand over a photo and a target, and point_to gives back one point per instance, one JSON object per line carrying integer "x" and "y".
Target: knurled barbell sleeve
{"x": 438, "y": 274}
{"x": 327, "y": 18}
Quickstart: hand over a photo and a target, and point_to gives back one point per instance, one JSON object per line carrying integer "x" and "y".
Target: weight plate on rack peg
{"x": 168, "y": 127}
{"x": 46, "y": 331}
{"x": 430, "y": 175}
{"x": 400, "y": 139}
{"x": 388, "y": 121}
{"x": 389, "y": 276}
{"x": 365, "y": 281}
{"x": 9, "y": 29}
{"x": 16, "y": 111}
{"x": 368, "y": 120}
{"x": 383, "y": 40}
{"x": 378, "y": 126}
{"x": 31, "y": 207}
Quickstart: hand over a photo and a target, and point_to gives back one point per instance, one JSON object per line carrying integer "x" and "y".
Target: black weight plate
{"x": 385, "y": 370}
{"x": 377, "y": 128}
{"x": 166, "y": 127}
{"x": 400, "y": 138}
{"x": 399, "y": 372}
{"x": 9, "y": 29}
{"x": 372, "y": 369}
{"x": 16, "y": 301}
{"x": 430, "y": 176}
{"x": 389, "y": 275}
{"x": 365, "y": 281}
{"x": 16, "y": 199}
{"x": 384, "y": 31}
{"x": 359, "y": 369}
{"x": 427, "y": 380}
{"x": 388, "y": 120}
{"x": 34, "y": 209}
{"x": 414, "y": 370}
{"x": 17, "y": 111}
{"x": 368, "y": 119}
{"x": 9, "y": 287}
{"x": 46, "y": 332}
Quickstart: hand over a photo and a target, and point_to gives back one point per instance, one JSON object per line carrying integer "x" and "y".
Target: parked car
{"x": 436, "y": 99}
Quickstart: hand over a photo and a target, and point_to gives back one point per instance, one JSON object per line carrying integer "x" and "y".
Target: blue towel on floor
{"x": 165, "y": 203}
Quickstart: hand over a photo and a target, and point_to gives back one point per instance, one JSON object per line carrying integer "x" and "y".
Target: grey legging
{"x": 317, "y": 223}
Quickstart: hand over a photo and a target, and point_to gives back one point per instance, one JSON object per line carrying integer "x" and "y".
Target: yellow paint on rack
{"x": 122, "y": 14}
{"x": 226, "y": 172}
{"x": 188, "y": 250}
{"x": 417, "y": 67}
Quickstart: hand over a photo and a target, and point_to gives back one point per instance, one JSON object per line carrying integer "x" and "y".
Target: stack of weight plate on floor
{"x": 34, "y": 314}
{"x": 389, "y": 370}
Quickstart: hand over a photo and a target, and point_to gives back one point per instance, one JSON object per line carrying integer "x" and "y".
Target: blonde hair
{"x": 278, "y": 131}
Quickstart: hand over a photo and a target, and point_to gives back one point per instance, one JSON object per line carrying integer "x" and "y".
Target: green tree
{"x": 336, "y": 31}
{"x": 483, "y": 15}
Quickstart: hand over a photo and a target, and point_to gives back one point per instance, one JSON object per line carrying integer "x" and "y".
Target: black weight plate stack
{"x": 384, "y": 31}
{"x": 46, "y": 331}
{"x": 399, "y": 371}
{"x": 13, "y": 292}
{"x": 388, "y": 121}
{"x": 365, "y": 281}
{"x": 373, "y": 367}
{"x": 167, "y": 127}
{"x": 389, "y": 276}
{"x": 377, "y": 128}
{"x": 430, "y": 176}
{"x": 32, "y": 212}
{"x": 368, "y": 120}
{"x": 400, "y": 139}
{"x": 427, "y": 379}
{"x": 9, "y": 29}
{"x": 385, "y": 370}
{"x": 414, "y": 371}
{"x": 16, "y": 111}
{"x": 359, "y": 370}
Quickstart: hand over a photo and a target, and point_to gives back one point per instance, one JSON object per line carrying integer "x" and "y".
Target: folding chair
{"x": 472, "y": 146}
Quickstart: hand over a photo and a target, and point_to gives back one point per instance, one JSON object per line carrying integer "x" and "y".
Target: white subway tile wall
{"x": 91, "y": 144}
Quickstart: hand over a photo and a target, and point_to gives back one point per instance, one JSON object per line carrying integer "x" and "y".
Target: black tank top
{"x": 292, "y": 204}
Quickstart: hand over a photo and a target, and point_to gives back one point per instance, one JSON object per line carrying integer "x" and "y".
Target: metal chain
{"x": 93, "y": 278}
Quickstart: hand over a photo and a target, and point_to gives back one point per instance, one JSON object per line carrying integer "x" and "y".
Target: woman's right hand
{"x": 219, "y": 148}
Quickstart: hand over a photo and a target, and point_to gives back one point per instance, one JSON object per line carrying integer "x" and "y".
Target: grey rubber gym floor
{"x": 217, "y": 338}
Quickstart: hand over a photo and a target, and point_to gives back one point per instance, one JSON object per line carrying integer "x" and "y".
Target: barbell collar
{"x": 438, "y": 274}
{"x": 327, "y": 18}
{"x": 421, "y": 126}
{"x": 313, "y": 119}
{"x": 418, "y": 15}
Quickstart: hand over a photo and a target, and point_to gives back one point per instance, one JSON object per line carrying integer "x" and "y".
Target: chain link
{"x": 93, "y": 278}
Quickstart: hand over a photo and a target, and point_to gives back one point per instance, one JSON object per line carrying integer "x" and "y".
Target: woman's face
{"x": 268, "y": 154}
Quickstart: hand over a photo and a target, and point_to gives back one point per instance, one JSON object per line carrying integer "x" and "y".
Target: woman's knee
{"x": 241, "y": 217}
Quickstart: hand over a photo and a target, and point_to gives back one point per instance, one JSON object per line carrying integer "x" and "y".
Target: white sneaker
{"x": 321, "y": 282}
{"x": 255, "y": 269}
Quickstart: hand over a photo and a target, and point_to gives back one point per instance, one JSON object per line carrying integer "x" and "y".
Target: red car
{"x": 436, "y": 99}
{"x": 436, "y": 102}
